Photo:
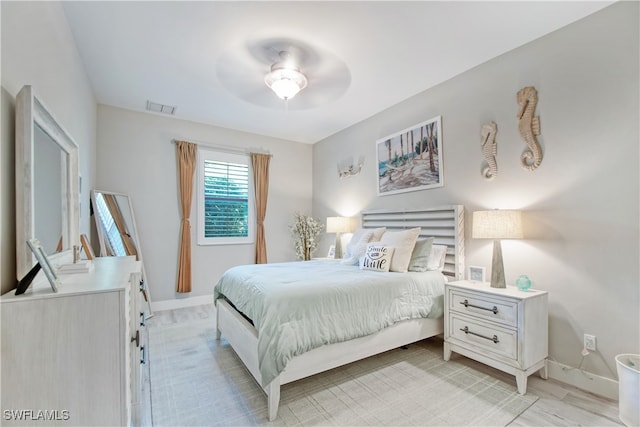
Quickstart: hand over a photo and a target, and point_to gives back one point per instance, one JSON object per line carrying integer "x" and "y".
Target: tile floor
{"x": 558, "y": 404}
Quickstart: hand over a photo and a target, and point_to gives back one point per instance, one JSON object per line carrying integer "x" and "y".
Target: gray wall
{"x": 38, "y": 50}
{"x": 581, "y": 205}
{"x": 136, "y": 156}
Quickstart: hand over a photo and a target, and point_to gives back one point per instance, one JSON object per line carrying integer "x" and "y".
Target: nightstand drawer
{"x": 486, "y": 307}
{"x": 495, "y": 339}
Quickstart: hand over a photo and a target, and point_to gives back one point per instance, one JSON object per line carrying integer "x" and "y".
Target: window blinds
{"x": 226, "y": 199}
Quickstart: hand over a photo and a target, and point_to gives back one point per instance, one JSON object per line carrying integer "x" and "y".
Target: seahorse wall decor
{"x": 489, "y": 150}
{"x": 529, "y": 127}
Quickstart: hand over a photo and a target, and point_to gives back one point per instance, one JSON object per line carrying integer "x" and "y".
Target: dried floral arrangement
{"x": 305, "y": 231}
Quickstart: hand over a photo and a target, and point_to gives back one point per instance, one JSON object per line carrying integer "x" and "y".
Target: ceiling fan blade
{"x": 269, "y": 51}
{"x": 242, "y": 70}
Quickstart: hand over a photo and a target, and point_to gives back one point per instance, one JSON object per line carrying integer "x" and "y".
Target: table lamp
{"x": 496, "y": 225}
{"x": 338, "y": 225}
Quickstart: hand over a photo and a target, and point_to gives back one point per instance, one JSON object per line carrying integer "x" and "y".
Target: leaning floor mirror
{"x": 117, "y": 232}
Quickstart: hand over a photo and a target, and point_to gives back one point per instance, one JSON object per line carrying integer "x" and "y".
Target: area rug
{"x": 197, "y": 381}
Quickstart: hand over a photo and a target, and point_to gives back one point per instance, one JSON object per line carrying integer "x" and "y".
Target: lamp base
{"x": 497, "y": 267}
{"x": 338, "y": 250}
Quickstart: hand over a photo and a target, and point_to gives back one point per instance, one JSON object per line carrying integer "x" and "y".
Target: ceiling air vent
{"x": 161, "y": 108}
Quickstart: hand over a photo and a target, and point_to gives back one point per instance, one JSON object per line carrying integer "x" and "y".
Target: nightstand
{"x": 505, "y": 328}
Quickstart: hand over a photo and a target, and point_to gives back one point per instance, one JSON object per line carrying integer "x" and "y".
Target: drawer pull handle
{"x": 467, "y": 331}
{"x": 466, "y": 304}
{"x": 143, "y": 291}
{"x": 136, "y": 339}
{"x": 143, "y": 356}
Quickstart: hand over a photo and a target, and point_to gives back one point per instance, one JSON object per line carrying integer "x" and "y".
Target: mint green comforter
{"x": 298, "y": 306}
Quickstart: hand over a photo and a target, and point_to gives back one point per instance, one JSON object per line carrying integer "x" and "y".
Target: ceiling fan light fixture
{"x": 285, "y": 82}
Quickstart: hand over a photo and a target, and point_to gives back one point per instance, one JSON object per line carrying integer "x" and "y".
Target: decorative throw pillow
{"x": 377, "y": 234}
{"x": 403, "y": 242}
{"x": 357, "y": 246}
{"x": 420, "y": 255}
{"x": 437, "y": 258}
{"x": 377, "y": 257}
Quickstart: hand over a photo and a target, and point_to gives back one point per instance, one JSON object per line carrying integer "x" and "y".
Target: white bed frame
{"x": 446, "y": 224}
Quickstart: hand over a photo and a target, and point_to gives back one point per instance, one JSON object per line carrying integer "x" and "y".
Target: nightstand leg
{"x": 447, "y": 351}
{"x": 521, "y": 381}
{"x": 544, "y": 373}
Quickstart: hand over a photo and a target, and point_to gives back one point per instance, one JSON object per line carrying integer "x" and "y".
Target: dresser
{"x": 79, "y": 356}
{"x": 505, "y": 328}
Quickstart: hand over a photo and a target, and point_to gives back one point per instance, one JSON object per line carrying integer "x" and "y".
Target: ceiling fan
{"x": 290, "y": 68}
{"x": 285, "y": 78}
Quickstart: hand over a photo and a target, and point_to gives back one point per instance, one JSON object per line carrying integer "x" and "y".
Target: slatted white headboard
{"x": 445, "y": 224}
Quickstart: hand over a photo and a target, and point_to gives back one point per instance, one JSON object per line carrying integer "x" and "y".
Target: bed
{"x": 279, "y": 346}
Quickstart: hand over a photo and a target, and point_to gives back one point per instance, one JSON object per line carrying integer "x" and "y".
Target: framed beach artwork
{"x": 411, "y": 159}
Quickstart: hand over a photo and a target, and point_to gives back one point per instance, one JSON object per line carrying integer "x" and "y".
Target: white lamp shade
{"x": 497, "y": 224}
{"x": 338, "y": 224}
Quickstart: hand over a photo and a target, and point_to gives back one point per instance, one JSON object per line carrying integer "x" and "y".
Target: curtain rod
{"x": 225, "y": 148}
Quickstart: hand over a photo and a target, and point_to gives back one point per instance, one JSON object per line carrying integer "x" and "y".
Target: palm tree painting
{"x": 411, "y": 159}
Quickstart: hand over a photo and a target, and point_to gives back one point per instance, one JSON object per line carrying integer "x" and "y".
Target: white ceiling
{"x": 176, "y": 53}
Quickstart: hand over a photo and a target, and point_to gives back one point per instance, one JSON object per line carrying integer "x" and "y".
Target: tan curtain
{"x": 260, "y": 163}
{"x": 186, "y": 153}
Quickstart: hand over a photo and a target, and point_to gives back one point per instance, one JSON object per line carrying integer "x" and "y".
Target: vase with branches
{"x": 305, "y": 231}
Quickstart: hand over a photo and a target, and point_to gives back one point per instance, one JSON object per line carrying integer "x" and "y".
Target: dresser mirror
{"x": 117, "y": 232}
{"x": 47, "y": 182}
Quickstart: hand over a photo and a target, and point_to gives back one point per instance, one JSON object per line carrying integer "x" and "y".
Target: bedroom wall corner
{"x": 7, "y": 193}
{"x": 582, "y": 205}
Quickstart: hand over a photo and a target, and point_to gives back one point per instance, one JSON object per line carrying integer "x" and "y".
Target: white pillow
{"x": 403, "y": 242}
{"x": 437, "y": 257}
{"x": 377, "y": 257}
{"x": 420, "y": 255}
{"x": 357, "y": 246}
{"x": 377, "y": 234}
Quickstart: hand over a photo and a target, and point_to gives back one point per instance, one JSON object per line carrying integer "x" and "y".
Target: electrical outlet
{"x": 590, "y": 342}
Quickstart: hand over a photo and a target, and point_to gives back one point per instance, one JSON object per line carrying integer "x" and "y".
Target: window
{"x": 225, "y": 198}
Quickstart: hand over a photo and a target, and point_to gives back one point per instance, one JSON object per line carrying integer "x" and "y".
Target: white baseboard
{"x": 583, "y": 380}
{"x": 181, "y": 303}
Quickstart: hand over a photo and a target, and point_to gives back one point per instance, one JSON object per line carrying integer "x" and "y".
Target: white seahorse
{"x": 529, "y": 127}
{"x": 490, "y": 149}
